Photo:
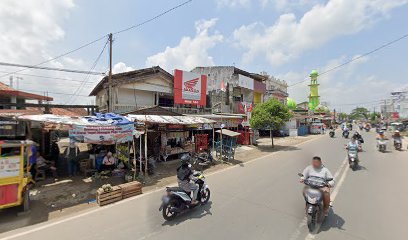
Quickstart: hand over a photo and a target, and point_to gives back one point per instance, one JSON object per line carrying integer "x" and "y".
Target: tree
{"x": 342, "y": 116}
{"x": 359, "y": 113}
{"x": 271, "y": 114}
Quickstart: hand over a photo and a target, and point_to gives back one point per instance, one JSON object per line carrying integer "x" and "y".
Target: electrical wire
{"x": 48, "y": 77}
{"x": 48, "y": 68}
{"x": 153, "y": 18}
{"x": 356, "y": 58}
{"x": 90, "y": 71}
{"x": 101, "y": 38}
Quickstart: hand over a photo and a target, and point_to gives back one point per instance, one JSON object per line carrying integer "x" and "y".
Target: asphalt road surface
{"x": 262, "y": 200}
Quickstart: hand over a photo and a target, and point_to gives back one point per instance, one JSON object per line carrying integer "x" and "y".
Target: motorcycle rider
{"x": 317, "y": 169}
{"x": 184, "y": 177}
{"x": 353, "y": 145}
{"x": 381, "y": 136}
{"x": 397, "y": 136}
{"x": 345, "y": 129}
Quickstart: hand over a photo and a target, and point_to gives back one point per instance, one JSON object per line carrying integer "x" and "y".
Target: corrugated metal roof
{"x": 182, "y": 120}
{"x": 229, "y": 133}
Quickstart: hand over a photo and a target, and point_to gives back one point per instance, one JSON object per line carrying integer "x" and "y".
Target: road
{"x": 262, "y": 200}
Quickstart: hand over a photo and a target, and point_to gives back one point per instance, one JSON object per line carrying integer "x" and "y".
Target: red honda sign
{"x": 189, "y": 88}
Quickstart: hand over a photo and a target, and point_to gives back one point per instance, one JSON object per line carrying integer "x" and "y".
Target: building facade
{"x": 232, "y": 90}
{"x": 276, "y": 88}
{"x": 137, "y": 89}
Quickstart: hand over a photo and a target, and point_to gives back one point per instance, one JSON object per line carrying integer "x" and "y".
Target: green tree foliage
{"x": 342, "y": 116}
{"x": 271, "y": 113}
{"x": 359, "y": 113}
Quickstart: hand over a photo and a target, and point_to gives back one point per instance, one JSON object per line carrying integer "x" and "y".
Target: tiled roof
{"x": 72, "y": 112}
{"x": 6, "y": 90}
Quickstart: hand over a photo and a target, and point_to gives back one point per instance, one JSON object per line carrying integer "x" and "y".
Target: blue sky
{"x": 286, "y": 38}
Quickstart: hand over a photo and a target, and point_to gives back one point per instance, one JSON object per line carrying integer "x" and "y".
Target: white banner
{"x": 9, "y": 166}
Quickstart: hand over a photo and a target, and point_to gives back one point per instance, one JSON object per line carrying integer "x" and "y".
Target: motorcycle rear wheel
{"x": 168, "y": 215}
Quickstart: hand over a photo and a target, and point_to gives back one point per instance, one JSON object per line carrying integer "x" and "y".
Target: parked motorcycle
{"x": 398, "y": 144}
{"x": 314, "y": 200}
{"x": 202, "y": 159}
{"x": 331, "y": 133}
{"x": 177, "y": 201}
{"x": 382, "y": 145}
{"x": 367, "y": 129}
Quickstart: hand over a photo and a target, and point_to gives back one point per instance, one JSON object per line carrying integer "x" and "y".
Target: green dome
{"x": 314, "y": 73}
{"x": 322, "y": 109}
{"x": 291, "y": 104}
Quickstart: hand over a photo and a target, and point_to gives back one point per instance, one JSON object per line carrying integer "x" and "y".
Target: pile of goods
{"x": 109, "y": 194}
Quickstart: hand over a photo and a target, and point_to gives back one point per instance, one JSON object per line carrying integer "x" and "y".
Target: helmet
{"x": 396, "y": 131}
{"x": 185, "y": 159}
{"x": 381, "y": 132}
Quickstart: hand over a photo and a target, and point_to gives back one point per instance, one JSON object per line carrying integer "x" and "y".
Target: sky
{"x": 285, "y": 38}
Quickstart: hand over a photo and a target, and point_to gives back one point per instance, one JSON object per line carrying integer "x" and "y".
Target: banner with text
{"x": 102, "y": 134}
{"x": 190, "y": 88}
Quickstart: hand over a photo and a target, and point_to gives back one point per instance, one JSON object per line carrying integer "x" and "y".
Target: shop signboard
{"x": 12, "y": 128}
{"x": 9, "y": 166}
{"x": 102, "y": 134}
{"x": 189, "y": 88}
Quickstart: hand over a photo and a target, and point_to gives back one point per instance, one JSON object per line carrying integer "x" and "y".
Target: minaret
{"x": 314, "y": 98}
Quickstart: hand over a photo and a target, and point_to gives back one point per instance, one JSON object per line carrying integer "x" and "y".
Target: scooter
{"x": 346, "y": 134}
{"x": 382, "y": 145}
{"x": 177, "y": 201}
{"x": 398, "y": 144}
{"x": 314, "y": 200}
{"x": 331, "y": 133}
{"x": 202, "y": 159}
{"x": 367, "y": 129}
{"x": 353, "y": 159}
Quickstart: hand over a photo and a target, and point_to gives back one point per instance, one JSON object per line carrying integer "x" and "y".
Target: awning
{"x": 220, "y": 116}
{"x": 229, "y": 133}
{"x": 57, "y": 119}
{"x": 181, "y": 120}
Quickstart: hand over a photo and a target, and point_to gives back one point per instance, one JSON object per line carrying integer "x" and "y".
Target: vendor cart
{"x": 15, "y": 174}
{"x": 225, "y": 147}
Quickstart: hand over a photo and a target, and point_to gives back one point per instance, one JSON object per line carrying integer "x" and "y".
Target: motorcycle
{"x": 176, "y": 201}
{"x": 382, "y": 145}
{"x": 202, "y": 159}
{"x": 353, "y": 159}
{"x": 346, "y": 134}
{"x": 314, "y": 200}
{"x": 331, "y": 133}
{"x": 367, "y": 129}
{"x": 398, "y": 144}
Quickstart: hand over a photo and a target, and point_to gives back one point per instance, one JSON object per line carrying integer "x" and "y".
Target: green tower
{"x": 314, "y": 98}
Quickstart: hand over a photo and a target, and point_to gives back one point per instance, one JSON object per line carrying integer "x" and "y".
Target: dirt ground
{"x": 53, "y": 199}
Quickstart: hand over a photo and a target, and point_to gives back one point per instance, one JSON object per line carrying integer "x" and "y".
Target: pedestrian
{"x": 71, "y": 153}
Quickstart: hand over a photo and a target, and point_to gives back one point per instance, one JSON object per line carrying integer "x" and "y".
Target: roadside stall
{"x": 108, "y": 136}
{"x": 225, "y": 148}
{"x": 15, "y": 174}
{"x": 172, "y": 132}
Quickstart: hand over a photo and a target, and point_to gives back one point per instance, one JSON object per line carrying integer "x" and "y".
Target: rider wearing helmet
{"x": 184, "y": 177}
{"x": 396, "y": 134}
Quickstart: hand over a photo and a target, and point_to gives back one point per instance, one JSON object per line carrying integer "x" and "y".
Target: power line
{"x": 58, "y": 93}
{"x": 87, "y": 76}
{"x": 49, "y": 68}
{"x": 356, "y": 58}
{"x": 59, "y": 56}
{"x": 153, "y": 18}
{"x": 48, "y": 77}
{"x": 102, "y": 37}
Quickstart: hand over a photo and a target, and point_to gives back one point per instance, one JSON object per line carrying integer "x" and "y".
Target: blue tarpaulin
{"x": 110, "y": 118}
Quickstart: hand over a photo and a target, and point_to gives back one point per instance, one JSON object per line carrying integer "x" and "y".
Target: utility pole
{"x": 110, "y": 95}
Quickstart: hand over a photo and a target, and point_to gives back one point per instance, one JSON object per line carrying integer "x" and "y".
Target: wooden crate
{"x": 104, "y": 198}
{"x": 131, "y": 189}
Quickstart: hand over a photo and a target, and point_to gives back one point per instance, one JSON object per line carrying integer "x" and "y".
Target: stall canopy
{"x": 229, "y": 133}
{"x": 179, "y": 120}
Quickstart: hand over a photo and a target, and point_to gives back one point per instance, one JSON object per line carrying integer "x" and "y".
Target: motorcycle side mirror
{"x": 300, "y": 175}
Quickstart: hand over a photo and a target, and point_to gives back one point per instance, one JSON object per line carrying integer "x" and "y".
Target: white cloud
{"x": 289, "y": 37}
{"x": 342, "y": 87}
{"x": 190, "y": 52}
{"x": 233, "y": 3}
{"x": 29, "y": 29}
{"x": 121, "y": 67}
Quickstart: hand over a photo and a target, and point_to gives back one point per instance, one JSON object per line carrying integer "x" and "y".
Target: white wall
{"x": 128, "y": 96}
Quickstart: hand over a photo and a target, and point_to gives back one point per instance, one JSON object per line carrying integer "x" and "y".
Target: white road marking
{"x": 53, "y": 223}
{"x": 303, "y": 223}
{"x": 333, "y": 196}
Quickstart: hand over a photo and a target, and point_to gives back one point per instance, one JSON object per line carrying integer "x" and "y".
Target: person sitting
{"x": 45, "y": 165}
{"x": 396, "y": 135}
{"x": 108, "y": 162}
